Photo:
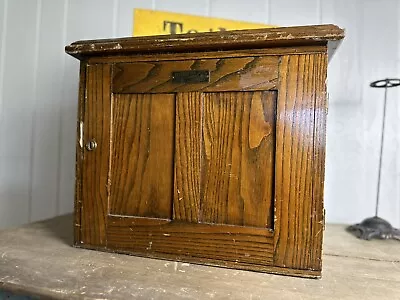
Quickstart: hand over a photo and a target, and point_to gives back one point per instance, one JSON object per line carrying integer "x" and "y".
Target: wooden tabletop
{"x": 37, "y": 259}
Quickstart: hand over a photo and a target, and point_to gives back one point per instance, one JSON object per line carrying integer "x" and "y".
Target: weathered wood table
{"x": 37, "y": 259}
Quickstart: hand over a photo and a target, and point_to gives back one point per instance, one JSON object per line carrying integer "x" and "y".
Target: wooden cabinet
{"x": 207, "y": 148}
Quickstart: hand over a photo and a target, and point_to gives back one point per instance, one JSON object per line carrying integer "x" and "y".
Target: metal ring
{"x": 91, "y": 145}
{"x": 385, "y": 83}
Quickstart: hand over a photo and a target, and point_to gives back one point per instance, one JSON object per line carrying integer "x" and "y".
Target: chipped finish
{"x": 238, "y": 247}
{"x": 228, "y": 40}
{"x": 208, "y": 55}
{"x": 79, "y": 152}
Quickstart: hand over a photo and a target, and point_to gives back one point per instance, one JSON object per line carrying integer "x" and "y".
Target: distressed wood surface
{"x": 188, "y": 156}
{"x": 317, "y": 206}
{"x": 37, "y": 259}
{"x": 300, "y": 158}
{"x": 94, "y": 189}
{"x": 79, "y": 152}
{"x": 207, "y": 55}
{"x": 142, "y": 155}
{"x": 225, "y": 40}
{"x": 225, "y": 158}
{"x": 192, "y": 242}
{"x": 226, "y": 74}
{"x": 239, "y": 150}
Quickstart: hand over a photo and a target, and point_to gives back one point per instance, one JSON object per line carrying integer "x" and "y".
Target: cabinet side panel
{"x": 318, "y": 218}
{"x": 95, "y": 163}
{"x": 297, "y": 212}
{"x": 79, "y": 153}
{"x": 238, "y": 166}
{"x": 142, "y": 157}
{"x": 188, "y": 156}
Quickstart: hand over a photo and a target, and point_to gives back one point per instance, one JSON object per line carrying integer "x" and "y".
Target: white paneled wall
{"x": 253, "y": 11}
{"x": 18, "y": 98}
{"x": 198, "y": 7}
{"x": 39, "y": 83}
{"x": 381, "y": 61}
{"x": 45, "y": 155}
{"x": 292, "y": 12}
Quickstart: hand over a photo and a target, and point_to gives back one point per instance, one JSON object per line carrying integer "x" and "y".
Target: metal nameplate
{"x": 192, "y": 76}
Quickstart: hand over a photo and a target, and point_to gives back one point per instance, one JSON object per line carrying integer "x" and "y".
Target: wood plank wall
{"x": 39, "y": 85}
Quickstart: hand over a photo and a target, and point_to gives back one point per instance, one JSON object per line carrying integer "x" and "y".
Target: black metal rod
{"x": 381, "y": 153}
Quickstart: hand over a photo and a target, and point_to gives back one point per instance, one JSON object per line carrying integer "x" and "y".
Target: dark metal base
{"x": 374, "y": 227}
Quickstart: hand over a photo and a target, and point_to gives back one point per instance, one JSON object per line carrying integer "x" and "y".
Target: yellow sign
{"x": 151, "y": 22}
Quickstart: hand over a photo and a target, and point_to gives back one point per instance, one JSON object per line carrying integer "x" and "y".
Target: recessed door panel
{"x": 238, "y": 160}
{"x": 142, "y": 155}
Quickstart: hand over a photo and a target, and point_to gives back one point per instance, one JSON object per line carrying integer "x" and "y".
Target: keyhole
{"x": 91, "y": 145}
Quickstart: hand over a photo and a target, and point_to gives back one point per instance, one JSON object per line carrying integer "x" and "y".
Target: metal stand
{"x": 375, "y": 227}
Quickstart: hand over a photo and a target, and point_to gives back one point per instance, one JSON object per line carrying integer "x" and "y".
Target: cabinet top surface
{"x": 209, "y": 41}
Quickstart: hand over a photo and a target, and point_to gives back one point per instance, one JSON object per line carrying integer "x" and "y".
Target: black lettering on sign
{"x": 173, "y": 26}
{"x": 177, "y": 27}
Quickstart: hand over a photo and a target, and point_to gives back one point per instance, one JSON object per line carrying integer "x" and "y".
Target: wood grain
{"x": 79, "y": 153}
{"x": 276, "y": 51}
{"x": 296, "y": 210}
{"x": 95, "y": 163}
{"x": 226, "y": 74}
{"x": 320, "y": 114}
{"x": 142, "y": 155}
{"x": 217, "y": 41}
{"x": 188, "y": 156}
{"x": 180, "y": 239}
{"x": 239, "y": 146}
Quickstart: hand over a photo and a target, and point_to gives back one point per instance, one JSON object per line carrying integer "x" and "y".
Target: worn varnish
{"x": 240, "y": 245}
{"x": 226, "y": 74}
{"x": 239, "y": 144}
{"x": 211, "y": 41}
{"x": 79, "y": 153}
{"x": 95, "y": 164}
{"x": 295, "y": 156}
{"x": 226, "y": 168}
{"x": 188, "y": 156}
{"x": 142, "y": 155}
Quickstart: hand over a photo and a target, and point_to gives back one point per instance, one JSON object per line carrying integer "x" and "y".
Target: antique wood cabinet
{"x": 206, "y": 148}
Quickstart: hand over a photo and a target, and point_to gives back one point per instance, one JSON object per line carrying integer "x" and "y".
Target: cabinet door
{"x": 191, "y": 175}
{"x": 142, "y": 155}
